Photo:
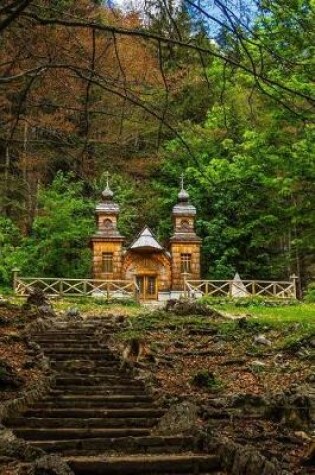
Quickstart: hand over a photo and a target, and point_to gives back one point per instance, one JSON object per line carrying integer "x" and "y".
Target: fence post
{"x": 107, "y": 290}
{"x": 85, "y": 287}
{"x": 185, "y": 284}
{"x": 136, "y": 291}
{"x": 294, "y": 278}
{"x": 61, "y": 288}
{"x": 230, "y": 288}
{"x": 15, "y": 275}
{"x": 254, "y": 288}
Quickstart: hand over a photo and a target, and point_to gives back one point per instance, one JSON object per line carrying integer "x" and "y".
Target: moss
{"x": 207, "y": 380}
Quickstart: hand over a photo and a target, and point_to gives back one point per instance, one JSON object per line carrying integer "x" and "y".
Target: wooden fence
{"x": 76, "y": 287}
{"x": 244, "y": 288}
{"x": 129, "y": 289}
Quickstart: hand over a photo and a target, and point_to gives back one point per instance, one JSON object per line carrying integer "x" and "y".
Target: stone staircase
{"x": 98, "y": 417}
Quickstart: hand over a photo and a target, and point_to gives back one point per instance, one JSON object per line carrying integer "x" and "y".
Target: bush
{"x": 310, "y": 293}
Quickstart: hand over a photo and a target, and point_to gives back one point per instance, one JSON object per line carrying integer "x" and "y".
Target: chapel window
{"x": 107, "y": 262}
{"x": 184, "y": 224}
{"x": 107, "y": 223}
{"x": 185, "y": 260}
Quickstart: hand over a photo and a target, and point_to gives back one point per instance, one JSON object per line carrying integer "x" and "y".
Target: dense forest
{"x": 220, "y": 92}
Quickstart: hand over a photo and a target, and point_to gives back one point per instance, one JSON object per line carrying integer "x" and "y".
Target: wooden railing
{"x": 76, "y": 287}
{"x": 60, "y": 287}
{"x": 244, "y": 288}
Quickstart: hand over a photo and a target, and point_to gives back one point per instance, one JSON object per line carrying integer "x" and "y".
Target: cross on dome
{"x": 107, "y": 194}
{"x": 183, "y": 195}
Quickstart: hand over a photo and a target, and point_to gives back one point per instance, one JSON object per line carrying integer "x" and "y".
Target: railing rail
{"x": 245, "y": 288}
{"x": 61, "y": 287}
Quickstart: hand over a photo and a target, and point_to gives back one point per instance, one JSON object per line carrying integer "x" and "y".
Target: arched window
{"x": 184, "y": 224}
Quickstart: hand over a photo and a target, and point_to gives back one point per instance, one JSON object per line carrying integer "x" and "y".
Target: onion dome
{"x": 107, "y": 194}
{"x": 183, "y": 195}
{"x": 107, "y": 204}
{"x": 183, "y": 207}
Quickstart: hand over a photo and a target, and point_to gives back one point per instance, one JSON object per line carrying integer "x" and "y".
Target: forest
{"x": 128, "y": 363}
{"x": 221, "y": 91}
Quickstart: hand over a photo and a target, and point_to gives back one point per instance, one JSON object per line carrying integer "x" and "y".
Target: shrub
{"x": 310, "y": 293}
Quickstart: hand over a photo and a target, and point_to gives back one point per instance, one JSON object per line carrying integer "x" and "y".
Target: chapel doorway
{"x": 147, "y": 285}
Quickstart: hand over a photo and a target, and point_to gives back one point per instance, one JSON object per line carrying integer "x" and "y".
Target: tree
{"x": 10, "y": 239}
{"x": 253, "y": 188}
{"x": 59, "y": 240}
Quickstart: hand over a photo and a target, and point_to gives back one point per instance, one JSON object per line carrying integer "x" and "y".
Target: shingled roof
{"x": 146, "y": 241}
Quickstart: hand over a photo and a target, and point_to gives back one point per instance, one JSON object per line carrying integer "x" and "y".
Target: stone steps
{"x": 89, "y": 375}
{"x": 80, "y": 351}
{"x": 84, "y": 364}
{"x": 76, "y": 422}
{"x": 127, "y": 445}
{"x": 94, "y": 404}
{"x": 79, "y": 357}
{"x": 94, "y": 413}
{"x": 96, "y": 408}
{"x": 79, "y": 433}
{"x": 157, "y": 464}
{"x": 65, "y": 335}
{"x": 98, "y": 398}
{"x": 90, "y": 344}
{"x": 65, "y": 379}
{"x": 96, "y": 390}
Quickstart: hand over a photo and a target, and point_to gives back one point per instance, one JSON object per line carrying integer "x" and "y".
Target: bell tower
{"x": 107, "y": 242}
{"x": 184, "y": 244}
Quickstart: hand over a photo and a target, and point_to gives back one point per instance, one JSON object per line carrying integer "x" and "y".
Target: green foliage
{"x": 248, "y": 162}
{"x": 250, "y": 165}
{"x": 300, "y": 315}
{"x": 253, "y": 189}
{"x": 10, "y": 239}
{"x": 59, "y": 241}
{"x": 245, "y": 302}
{"x": 310, "y": 293}
{"x": 58, "y": 245}
{"x": 208, "y": 380}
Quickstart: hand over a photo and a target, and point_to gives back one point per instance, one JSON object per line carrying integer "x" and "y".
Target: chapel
{"x": 158, "y": 271}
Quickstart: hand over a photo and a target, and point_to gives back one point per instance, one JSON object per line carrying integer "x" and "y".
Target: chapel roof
{"x": 146, "y": 242}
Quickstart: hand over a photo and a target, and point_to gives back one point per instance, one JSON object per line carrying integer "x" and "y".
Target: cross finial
{"x": 182, "y": 181}
{"x": 107, "y": 193}
{"x": 107, "y": 179}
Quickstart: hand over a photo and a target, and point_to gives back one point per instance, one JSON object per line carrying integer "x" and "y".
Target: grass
{"x": 97, "y": 306}
{"x": 285, "y": 324}
{"x": 302, "y": 313}
{"x": 289, "y": 323}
